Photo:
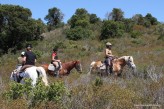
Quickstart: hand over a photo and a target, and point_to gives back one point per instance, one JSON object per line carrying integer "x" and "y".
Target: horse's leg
{"x": 90, "y": 70}
{"x": 44, "y": 76}
{"x": 115, "y": 75}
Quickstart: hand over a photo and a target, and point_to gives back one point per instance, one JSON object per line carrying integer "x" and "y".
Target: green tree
{"x": 151, "y": 19}
{"x": 138, "y": 19}
{"x": 54, "y": 18}
{"x": 111, "y": 29}
{"x": 17, "y": 27}
{"x": 128, "y": 24}
{"x": 94, "y": 19}
{"x": 116, "y": 14}
{"x": 80, "y": 18}
{"x": 78, "y": 33}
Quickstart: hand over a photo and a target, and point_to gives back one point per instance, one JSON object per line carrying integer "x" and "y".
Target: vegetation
{"x": 80, "y": 91}
{"x": 54, "y": 18}
{"x": 17, "y": 27}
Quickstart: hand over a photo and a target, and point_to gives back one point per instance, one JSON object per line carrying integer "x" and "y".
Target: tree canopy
{"x": 17, "y": 27}
{"x": 54, "y": 18}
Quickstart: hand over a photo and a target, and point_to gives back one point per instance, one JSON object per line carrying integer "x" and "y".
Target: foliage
{"x": 80, "y": 18}
{"x": 17, "y": 27}
{"x": 128, "y": 25}
{"x": 80, "y": 25}
{"x": 146, "y": 21}
{"x": 38, "y": 94}
{"x": 94, "y": 19}
{"x": 135, "y": 34}
{"x": 160, "y": 31}
{"x": 151, "y": 19}
{"x": 54, "y": 18}
{"x": 78, "y": 33}
{"x": 116, "y": 15}
{"x": 111, "y": 29}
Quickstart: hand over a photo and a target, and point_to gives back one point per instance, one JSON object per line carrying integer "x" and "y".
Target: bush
{"x": 111, "y": 29}
{"x": 135, "y": 34}
{"x": 78, "y": 33}
{"x": 38, "y": 94}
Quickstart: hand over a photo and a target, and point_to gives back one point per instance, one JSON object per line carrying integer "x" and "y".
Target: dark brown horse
{"x": 66, "y": 68}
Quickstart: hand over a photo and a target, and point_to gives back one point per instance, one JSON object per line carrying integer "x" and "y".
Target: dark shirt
{"x": 30, "y": 58}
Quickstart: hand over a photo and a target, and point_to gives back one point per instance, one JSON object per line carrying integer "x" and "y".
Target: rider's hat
{"x": 55, "y": 49}
{"x": 108, "y": 44}
{"x": 22, "y": 53}
{"x": 28, "y": 46}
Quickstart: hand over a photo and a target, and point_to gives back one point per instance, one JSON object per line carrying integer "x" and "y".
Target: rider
{"x": 29, "y": 59}
{"x": 20, "y": 61}
{"x": 108, "y": 57}
{"x": 55, "y": 61}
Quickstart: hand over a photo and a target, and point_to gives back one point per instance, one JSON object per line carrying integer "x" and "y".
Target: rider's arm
{"x": 108, "y": 52}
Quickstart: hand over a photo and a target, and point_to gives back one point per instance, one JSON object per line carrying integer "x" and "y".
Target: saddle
{"x": 51, "y": 67}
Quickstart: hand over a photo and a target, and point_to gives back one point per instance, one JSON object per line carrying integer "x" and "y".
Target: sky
{"x": 39, "y": 8}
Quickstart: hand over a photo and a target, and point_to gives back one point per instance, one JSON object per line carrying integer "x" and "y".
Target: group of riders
{"x": 28, "y": 59}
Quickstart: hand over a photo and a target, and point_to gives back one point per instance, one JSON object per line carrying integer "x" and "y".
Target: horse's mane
{"x": 126, "y": 58}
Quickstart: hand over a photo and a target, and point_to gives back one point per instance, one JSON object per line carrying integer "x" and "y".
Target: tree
{"x": 116, "y": 15}
{"x": 80, "y": 18}
{"x": 138, "y": 19}
{"x": 54, "y": 18}
{"x": 151, "y": 19}
{"x": 128, "y": 24}
{"x": 111, "y": 29}
{"x": 94, "y": 19}
{"x": 17, "y": 27}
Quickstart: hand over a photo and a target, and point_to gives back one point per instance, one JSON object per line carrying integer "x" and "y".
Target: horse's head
{"x": 130, "y": 62}
{"x": 78, "y": 66}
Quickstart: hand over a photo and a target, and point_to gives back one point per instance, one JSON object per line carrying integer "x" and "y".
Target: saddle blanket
{"x": 51, "y": 67}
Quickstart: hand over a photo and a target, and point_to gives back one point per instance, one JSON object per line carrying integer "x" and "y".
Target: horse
{"x": 66, "y": 68}
{"x": 33, "y": 73}
{"x": 117, "y": 65}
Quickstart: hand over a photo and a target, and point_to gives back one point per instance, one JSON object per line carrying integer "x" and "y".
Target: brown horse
{"x": 66, "y": 68}
{"x": 117, "y": 65}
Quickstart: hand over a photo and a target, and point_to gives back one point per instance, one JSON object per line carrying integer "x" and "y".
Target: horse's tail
{"x": 42, "y": 71}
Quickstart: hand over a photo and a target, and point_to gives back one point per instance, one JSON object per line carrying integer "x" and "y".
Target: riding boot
{"x": 111, "y": 70}
{"x": 19, "y": 78}
{"x": 107, "y": 70}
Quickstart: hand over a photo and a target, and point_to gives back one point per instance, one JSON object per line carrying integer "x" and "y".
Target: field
{"x": 146, "y": 87}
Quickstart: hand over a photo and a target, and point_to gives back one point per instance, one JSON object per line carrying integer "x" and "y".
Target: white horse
{"x": 33, "y": 73}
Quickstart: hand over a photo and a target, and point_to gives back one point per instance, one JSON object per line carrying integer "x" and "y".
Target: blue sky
{"x": 39, "y": 8}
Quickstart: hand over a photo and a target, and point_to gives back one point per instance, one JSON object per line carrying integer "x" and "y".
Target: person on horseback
{"x": 29, "y": 59}
{"x": 55, "y": 61}
{"x": 20, "y": 59}
{"x": 108, "y": 58}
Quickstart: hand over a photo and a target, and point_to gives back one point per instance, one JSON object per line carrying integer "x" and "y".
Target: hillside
{"x": 146, "y": 87}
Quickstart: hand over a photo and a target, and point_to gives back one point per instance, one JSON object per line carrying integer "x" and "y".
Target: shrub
{"x": 38, "y": 94}
{"x": 111, "y": 29}
{"x": 135, "y": 34}
{"x": 78, "y": 33}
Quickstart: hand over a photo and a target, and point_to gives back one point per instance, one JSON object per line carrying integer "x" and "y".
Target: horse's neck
{"x": 69, "y": 66}
{"x": 122, "y": 61}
